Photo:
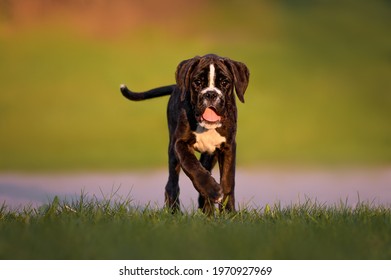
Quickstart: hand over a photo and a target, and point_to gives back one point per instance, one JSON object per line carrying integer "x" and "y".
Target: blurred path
{"x": 254, "y": 187}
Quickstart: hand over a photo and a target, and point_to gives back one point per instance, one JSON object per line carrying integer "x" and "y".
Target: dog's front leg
{"x": 202, "y": 180}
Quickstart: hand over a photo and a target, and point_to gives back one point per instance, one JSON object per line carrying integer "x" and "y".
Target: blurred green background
{"x": 319, "y": 93}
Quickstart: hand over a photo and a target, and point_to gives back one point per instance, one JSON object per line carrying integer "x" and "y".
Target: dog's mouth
{"x": 211, "y": 116}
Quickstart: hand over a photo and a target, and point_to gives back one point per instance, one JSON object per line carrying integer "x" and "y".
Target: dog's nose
{"x": 211, "y": 95}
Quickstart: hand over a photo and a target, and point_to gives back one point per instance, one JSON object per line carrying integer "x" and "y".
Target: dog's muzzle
{"x": 211, "y": 109}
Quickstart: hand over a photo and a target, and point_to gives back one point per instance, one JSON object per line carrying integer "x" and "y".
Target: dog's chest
{"x": 207, "y": 140}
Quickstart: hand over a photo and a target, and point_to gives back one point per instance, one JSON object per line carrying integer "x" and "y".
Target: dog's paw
{"x": 215, "y": 192}
{"x": 219, "y": 200}
{"x": 208, "y": 187}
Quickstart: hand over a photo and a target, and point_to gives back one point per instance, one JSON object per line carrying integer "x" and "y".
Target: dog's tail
{"x": 157, "y": 92}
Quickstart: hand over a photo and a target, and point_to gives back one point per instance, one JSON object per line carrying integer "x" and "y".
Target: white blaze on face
{"x": 211, "y": 81}
{"x": 212, "y": 76}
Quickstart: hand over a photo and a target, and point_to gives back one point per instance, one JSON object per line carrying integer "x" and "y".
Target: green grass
{"x": 115, "y": 229}
{"x": 319, "y": 91}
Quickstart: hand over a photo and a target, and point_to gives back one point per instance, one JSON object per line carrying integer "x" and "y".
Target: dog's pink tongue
{"x": 210, "y": 115}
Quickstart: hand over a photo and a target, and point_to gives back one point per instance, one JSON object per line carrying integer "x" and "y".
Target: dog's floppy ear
{"x": 182, "y": 74}
{"x": 241, "y": 77}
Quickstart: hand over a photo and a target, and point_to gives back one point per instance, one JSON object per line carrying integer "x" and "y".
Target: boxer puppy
{"x": 202, "y": 117}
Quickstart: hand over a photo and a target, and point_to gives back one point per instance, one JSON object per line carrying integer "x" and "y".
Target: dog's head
{"x": 209, "y": 82}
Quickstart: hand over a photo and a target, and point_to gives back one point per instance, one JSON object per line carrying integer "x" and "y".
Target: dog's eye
{"x": 197, "y": 82}
{"x": 224, "y": 83}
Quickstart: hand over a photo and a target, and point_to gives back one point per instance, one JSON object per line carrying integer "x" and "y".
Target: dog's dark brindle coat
{"x": 202, "y": 116}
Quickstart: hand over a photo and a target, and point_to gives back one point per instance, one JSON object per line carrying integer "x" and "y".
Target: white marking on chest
{"x": 207, "y": 140}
